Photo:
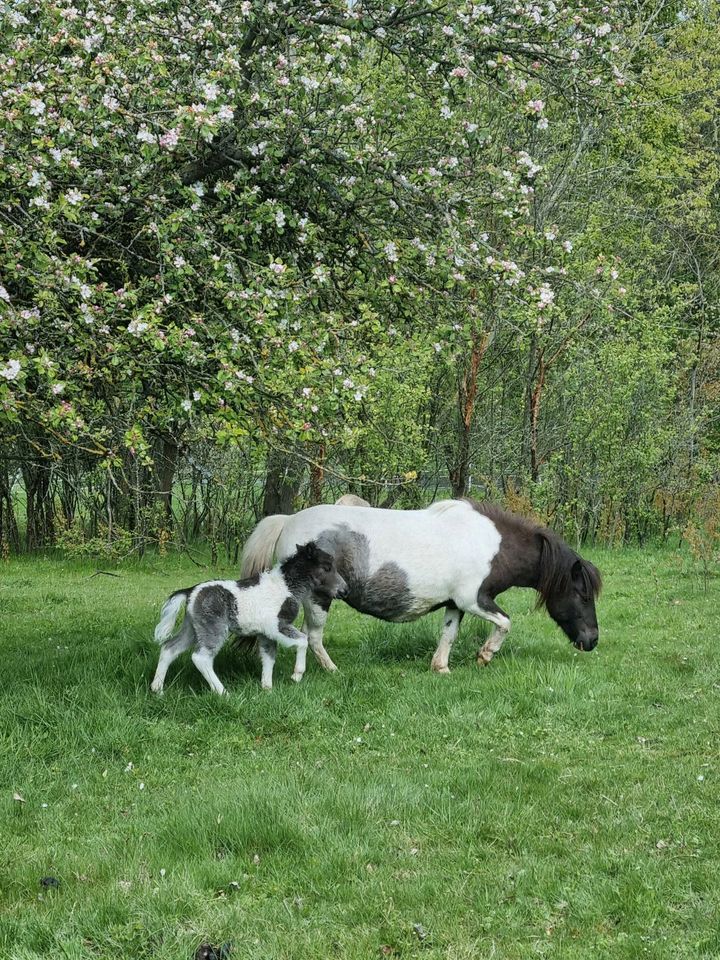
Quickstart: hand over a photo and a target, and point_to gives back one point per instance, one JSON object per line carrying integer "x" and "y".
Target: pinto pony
{"x": 457, "y": 554}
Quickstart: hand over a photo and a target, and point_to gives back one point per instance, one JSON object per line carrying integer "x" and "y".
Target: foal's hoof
{"x": 297, "y": 677}
{"x": 157, "y": 688}
{"x": 439, "y": 669}
{"x": 483, "y": 660}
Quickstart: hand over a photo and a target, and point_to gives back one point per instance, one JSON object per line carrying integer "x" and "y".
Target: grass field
{"x": 555, "y": 804}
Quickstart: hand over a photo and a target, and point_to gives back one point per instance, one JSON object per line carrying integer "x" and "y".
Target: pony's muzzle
{"x": 588, "y": 641}
{"x": 341, "y": 589}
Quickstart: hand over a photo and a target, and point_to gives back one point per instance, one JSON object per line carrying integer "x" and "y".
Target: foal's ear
{"x": 308, "y": 550}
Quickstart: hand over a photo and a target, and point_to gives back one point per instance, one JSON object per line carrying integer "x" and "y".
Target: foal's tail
{"x": 258, "y": 553}
{"x": 169, "y": 613}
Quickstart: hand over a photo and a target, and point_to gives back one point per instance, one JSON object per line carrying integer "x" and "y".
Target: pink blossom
{"x": 170, "y": 139}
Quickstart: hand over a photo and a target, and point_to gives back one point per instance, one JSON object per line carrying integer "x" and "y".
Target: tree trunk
{"x": 458, "y": 460}
{"x": 535, "y": 398}
{"x": 9, "y": 534}
{"x": 317, "y": 476}
{"x": 167, "y": 467}
{"x": 40, "y": 529}
{"x": 282, "y": 482}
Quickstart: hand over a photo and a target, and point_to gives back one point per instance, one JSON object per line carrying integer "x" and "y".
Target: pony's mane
{"x": 557, "y": 559}
{"x": 557, "y": 562}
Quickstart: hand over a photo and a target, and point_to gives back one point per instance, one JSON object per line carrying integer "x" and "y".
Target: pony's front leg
{"x": 451, "y": 625}
{"x": 315, "y": 617}
{"x": 489, "y": 610}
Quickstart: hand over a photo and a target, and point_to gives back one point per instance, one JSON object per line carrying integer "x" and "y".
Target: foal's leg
{"x": 170, "y": 651}
{"x": 287, "y": 636}
{"x": 315, "y": 617}
{"x": 210, "y": 638}
{"x": 451, "y": 625}
{"x": 268, "y": 651}
{"x": 296, "y": 638}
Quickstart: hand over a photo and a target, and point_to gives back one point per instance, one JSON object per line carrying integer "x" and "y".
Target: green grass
{"x": 555, "y": 804}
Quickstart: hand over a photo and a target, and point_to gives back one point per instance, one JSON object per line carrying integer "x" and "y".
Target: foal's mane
{"x": 557, "y": 559}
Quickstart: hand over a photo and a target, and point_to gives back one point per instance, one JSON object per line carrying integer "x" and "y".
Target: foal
{"x": 264, "y": 605}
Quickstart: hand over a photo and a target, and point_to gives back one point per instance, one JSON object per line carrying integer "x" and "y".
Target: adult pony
{"x": 457, "y": 554}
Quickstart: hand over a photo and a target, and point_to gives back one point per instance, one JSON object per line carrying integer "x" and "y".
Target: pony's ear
{"x": 586, "y": 578}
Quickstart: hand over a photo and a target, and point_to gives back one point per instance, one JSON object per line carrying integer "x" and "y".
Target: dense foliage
{"x": 254, "y": 254}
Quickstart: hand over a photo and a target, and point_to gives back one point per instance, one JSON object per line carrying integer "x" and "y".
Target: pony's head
{"x": 568, "y": 587}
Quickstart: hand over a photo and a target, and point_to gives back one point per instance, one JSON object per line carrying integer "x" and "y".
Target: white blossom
{"x": 391, "y": 252}
{"x": 11, "y": 370}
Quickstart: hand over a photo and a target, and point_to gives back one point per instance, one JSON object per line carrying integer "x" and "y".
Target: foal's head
{"x": 312, "y": 570}
{"x": 568, "y": 587}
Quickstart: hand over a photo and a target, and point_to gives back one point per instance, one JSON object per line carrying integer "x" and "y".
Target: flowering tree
{"x": 222, "y": 218}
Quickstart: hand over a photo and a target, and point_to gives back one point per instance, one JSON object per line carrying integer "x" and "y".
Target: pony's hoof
{"x": 266, "y": 686}
{"x": 436, "y": 669}
{"x": 157, "y": 688}
{"x": 483, "y": 660}
{"x": 297, "y": 677}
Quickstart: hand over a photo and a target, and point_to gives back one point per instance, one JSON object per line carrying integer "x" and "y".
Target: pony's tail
{"x": 168, "y": 616}
{"x": 260, "y": 548}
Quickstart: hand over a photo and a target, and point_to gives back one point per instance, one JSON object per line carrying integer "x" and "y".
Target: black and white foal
{"x": 264, "y": 605}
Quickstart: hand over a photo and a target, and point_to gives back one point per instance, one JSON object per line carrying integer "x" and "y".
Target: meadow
{"x": 556, "y": 804}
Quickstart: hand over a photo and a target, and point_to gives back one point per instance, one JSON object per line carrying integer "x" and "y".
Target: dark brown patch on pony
{"x": 534, "y": 556}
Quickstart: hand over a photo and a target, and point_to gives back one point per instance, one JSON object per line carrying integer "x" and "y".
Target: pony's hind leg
{"x": 315, "y": 617}
{"x": 451, "y": 625}
{"x": 170, "y": 651}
